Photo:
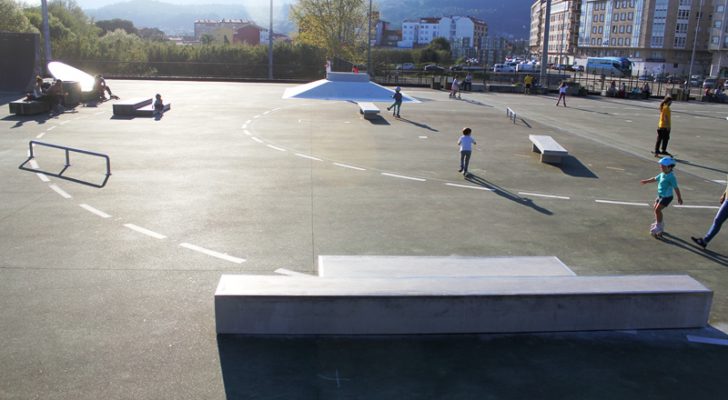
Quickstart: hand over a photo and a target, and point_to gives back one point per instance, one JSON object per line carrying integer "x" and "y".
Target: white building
{"x": 461, "y": 32}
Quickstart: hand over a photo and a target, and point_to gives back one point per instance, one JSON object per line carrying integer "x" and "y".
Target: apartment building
{"x": 718, "y": 45}
{"x": 657, "y": 35}
{"x": 465, "y": 34}
{"x": 563, "y": 30}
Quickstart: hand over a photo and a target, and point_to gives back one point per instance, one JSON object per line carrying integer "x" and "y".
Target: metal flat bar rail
{"x": 67, "y": 151}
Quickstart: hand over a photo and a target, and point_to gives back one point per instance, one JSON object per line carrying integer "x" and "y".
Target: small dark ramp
{"x": 17, "y": 72}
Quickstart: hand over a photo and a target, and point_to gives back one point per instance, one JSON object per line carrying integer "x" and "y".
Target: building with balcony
{"x": 465, "y": 34}
{"x": 563, "y": 30}
{"x": 718, "y": 45}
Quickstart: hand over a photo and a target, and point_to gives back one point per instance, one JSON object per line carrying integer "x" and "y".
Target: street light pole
{"x": 695, "y": 40}
{"x": 369, "y": 43}
{"x": 545, "y": 51}
{"x": 270, "y": 43}
{"x": 46, "y": 34}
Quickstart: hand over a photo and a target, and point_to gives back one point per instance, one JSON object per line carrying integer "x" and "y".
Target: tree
{"x": 152, "y": 34}
{"x": 12, "y": 18}
{"x": 111, "y": 25}
{"x": 338, "y": 26}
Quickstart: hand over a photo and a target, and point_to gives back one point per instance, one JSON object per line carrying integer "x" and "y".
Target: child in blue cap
{"x": 666, "y": 183}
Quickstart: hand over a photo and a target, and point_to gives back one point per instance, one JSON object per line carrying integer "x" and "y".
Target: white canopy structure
{"x": 346, "y": 86}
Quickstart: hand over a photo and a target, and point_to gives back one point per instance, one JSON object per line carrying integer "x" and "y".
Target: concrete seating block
{"x": 368, "y": 109}
{"x": 129, "y": 107}
{"x": 29, "y": 107}
{"x": 551, "y": 151}
{"x": 289, "y": 305}
{"x": 148, "y": 110}
{"x": 433, "y": 266}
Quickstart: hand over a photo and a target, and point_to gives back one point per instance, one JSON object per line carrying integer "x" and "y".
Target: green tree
{"x": 111, "y": 25}
{"x": 338, "y": 26}
{"x": 12, "y": 18}
{"x": 152, "y": 34}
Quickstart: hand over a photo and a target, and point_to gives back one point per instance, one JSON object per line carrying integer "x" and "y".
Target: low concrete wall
{"x": 272, "y": 305}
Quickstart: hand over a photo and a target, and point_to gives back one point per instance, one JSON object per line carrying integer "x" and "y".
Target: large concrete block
{"x": 434, "y": 266}
{"x": 272, "y": 305}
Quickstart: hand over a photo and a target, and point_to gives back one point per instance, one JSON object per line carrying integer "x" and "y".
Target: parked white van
{"x": 503, "y": 68}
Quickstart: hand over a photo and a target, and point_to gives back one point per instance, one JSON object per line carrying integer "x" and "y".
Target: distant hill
{"x": 504, "y": 17}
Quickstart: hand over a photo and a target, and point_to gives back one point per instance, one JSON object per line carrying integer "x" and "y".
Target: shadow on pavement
{"x": 580, "y": 365}
{"x": 524, "y": 201}
{"x": 710, "y": 255}
{"x": 686, "y": 162}
{"x": 417, "y": 124}
{"x": 573, "y": 167}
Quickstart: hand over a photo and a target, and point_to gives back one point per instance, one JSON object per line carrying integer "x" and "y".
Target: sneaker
{"x": 699, "y": 241}
{"x": 460, "y": 170}
{"x": 666, "y": 154}
{"x": 397, "y": 115}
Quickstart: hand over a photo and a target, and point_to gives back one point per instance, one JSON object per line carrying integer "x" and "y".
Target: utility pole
{"x": 270, "y": 43}
{"x": 369, "y": 43}
{"x": 46, "y": 34}
{"x": 545, "y": 51}
{"x": 695, "y": 41}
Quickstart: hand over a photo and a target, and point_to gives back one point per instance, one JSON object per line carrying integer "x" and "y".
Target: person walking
{"x": 466, "y": 143}
{"x": 663, "y": 128}
{"x": 562, "y": 93}
{"x": 720, "y": 217}
{"x": 455, "y": 88}
{"x": 397, "y": 96}
{"x": 666, "y": 183}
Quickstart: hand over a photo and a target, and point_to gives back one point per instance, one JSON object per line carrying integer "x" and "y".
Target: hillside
{"x": 504, "y": 17}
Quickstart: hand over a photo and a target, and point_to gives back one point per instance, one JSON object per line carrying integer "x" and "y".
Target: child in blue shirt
{"x": 666, "y": 183}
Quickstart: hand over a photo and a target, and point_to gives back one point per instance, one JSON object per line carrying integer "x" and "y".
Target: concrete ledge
{"x": 551, "y": 151}
{"x": 271, "y": 305}
{"x": 148, "y": 110}
{"x": 129, "y": 107}
{"x": 434, "y": 266}
{"x": 29, "y": 107}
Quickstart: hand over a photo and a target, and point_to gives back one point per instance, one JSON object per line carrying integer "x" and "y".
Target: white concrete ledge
{"x": 271, "y": 305}
{"x": 434, "y": 266}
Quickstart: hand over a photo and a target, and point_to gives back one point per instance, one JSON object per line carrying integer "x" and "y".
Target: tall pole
{"x": 695, "y": 40}
{"x": 270, "y": 43}
{"x": 545, "y": 51}
{"x": 46, "y": 34}
{"x": 369, "y": 43}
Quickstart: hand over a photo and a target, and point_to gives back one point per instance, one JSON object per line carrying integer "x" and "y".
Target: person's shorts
{"x": 528, "y": 86}
{"x": 664, "y": 201}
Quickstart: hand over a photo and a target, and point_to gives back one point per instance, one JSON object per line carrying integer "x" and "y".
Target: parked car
{"x": 579, "y": 68}
{"x": 405, "y": 66}
{"x": 503, "y": 68}
{"x": 710, "y": 83}
{"x": 457, "y": 67}
{"x": 433, "y": 68}
{"x": 646, "y": 78}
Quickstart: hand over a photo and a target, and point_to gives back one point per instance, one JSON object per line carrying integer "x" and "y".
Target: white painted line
{"x": 275, "y": 148}
{"x": 256, "y": 116}
{"x": 60, "y": 191}
{"x": 624, "y": 203}
{"x": 703, "y": 207}
{"x": 349, "y": 166}
{"x": 247, "y": 132}
{"x": 42, "y": 177}
{"x": 404, "y": 177}
{"x": 707, "y": 340}
{"x": 550, "y": 196}
{"x": 52, "y": 128}
{"x": 616, "y": 169}
{"x": 34, "y": 164}
{"x": 40, "y": 135}
{"x": 256, "y": 139}
{"x": 266, "y": 113}
{"x": 284, "y": 271}
{"x": 308, "y": 157}
{"x": 719, "y": 181}
{"x": 422, "y": 137}
{"x": 95, "y": 211}
{"x": 627, "y": 120}
{"x": 211, "y": 253}
{"x": 65, "y": 122}
{"x": 145, "y": 231}
{"x": 248, "y": 121}
{"x": 470, "y": 187}
{"x": 275, "y": 109}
